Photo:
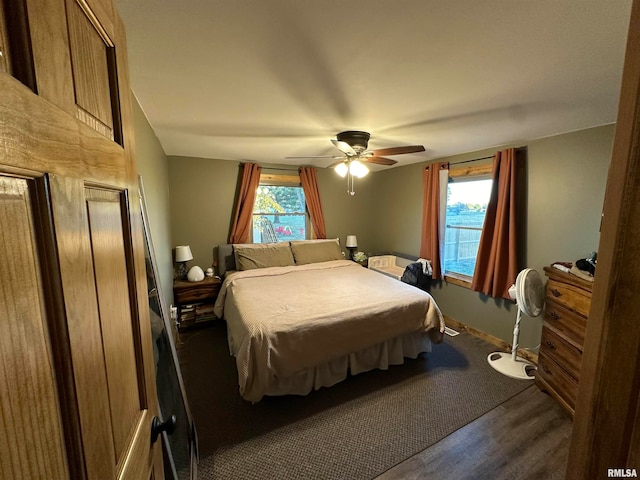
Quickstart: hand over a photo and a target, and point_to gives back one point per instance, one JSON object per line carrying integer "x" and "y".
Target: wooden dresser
{"x": 568, "y": 299}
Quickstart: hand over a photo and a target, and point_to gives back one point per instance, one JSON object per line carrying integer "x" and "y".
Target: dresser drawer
{"x": 569, "y": 296}
{"x": 195, "y": 294}
{"x": 562, "y": 352}
{"x": 565, "y": 321}
{"x": 558, "y": 380}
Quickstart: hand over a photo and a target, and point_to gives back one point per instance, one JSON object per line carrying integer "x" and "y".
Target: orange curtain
{"x": 309, "y": 180}
{"x": 497, "y": 260}
{"x": 244, "y": 206}
{"x": 430, "y": 244}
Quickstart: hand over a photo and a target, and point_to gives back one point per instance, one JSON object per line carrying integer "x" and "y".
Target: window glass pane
{"x": 466, "y": 209}
{"x": 279, "y": 214}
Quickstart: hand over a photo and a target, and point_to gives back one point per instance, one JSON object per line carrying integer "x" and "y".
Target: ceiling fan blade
{"x": 381, "y": 152}
{"x": 316, "y": 156}
{"x": 343, "y": 147}
{"x": 380, "y": 160}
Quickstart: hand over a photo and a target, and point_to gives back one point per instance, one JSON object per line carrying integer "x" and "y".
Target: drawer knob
{"x": 556, "y": 293}
{"x": 550, "y": 344}
{"x": 554, "y": 315}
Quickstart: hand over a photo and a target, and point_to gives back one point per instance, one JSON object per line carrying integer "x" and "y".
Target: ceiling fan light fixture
{"x": 341, "y": 169}
{"x": 356, "y": 139}
{"x": 358, "y": 169}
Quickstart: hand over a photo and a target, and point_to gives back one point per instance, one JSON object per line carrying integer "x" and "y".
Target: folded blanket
{"x": 562, "y": 267}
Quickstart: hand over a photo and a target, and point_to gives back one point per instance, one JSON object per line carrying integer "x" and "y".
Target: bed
{"x": 303, "y": 319}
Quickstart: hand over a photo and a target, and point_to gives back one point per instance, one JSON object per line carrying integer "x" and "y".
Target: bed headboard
{"x": 226, "y": 260}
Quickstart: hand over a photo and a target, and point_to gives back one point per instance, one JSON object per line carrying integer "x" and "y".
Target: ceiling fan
{"x": 353, "y": 145}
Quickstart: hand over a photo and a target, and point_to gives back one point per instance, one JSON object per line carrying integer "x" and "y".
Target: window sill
{"x": 457, "y": 279}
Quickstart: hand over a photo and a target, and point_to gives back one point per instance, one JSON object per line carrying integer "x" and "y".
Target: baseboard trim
{"x": 501, "y": 344}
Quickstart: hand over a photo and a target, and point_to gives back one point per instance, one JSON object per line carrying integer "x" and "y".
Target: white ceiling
{"x": 260, "y": 80}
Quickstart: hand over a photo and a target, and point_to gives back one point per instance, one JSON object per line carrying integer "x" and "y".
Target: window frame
{"x": 281, "y": 180}
{"x": 481, "y": 172}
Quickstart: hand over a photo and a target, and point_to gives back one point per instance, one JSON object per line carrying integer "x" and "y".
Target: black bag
{"x": 414, "y": 275}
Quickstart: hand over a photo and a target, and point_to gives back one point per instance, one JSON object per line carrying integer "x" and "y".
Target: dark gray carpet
{"x": 354, "y": 430}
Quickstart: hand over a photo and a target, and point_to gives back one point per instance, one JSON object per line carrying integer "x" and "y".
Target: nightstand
{"x": 195, "y": 301}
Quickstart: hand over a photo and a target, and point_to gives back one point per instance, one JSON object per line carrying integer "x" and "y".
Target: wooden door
{"x": 31, "y": 444}
{"x": 606, "y": 427}
{"x": 77, "y": 378}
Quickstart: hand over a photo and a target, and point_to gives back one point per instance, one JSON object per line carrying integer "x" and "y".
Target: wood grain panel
{"x": 455, "y": 172}
{"x": 104, "y": 13}
{"x": 132, "y": 468}
{"x": 90, "y": 68}
{"x": 78, "y": 284}
{"x": 108, "y": 248}
{"x": 51, "y": 58}
{"x": 43, "y": 138}
{"x": 562, "y": 352}
{"x": 4, "y": 42}
{"x": 569, "y": 323}
{"x": 38, "y": 137}
{"x": 31, "y": 444}
{"x": 563, "y": 388}
{"x": 607, "y": 423}
{"x": 569, "y": 296}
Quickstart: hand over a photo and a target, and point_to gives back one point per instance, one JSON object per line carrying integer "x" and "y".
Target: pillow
{"x": 261, "y": 255}
{"x": 313, "y": 251}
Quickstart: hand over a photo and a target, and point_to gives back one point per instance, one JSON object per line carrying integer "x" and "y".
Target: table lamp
{"x": 351, "y": 244}
{"x": 183, "y": 255}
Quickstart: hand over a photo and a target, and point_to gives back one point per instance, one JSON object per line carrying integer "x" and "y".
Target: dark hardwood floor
{"x": 527, "y": 437}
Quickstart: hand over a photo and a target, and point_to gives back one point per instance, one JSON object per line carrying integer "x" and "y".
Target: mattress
{"x": 289, "y": 326}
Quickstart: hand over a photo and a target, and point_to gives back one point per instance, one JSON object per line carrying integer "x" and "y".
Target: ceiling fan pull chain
{"x": 350, "y": 184}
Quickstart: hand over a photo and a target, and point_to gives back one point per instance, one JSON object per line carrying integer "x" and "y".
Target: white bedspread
{"x": 283, "y": 320}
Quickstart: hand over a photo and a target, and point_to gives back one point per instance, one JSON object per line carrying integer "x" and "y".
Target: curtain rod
{"x": 472, "y": 160}
{"x": 281, "y": 169}
{"x": 447, "y": 164}
{"x": 475, "y": 159}
{"x": 482, "y": 158}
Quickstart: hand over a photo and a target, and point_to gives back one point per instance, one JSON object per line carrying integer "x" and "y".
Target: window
{"x": 467, "y": 198}
{"x": 279, "y": 212}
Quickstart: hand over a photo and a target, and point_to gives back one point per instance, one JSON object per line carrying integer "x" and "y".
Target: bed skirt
{"x": 380, "y": 356}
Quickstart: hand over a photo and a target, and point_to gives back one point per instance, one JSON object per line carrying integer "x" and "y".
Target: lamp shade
{"x": 352, "y": 241}
{"x": 358, "y": 169}
{"x": 341, "y": 169}
{"x": 183, "y": 253}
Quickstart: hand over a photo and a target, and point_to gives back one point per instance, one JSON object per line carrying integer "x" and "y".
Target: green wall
{"x": 566, "y": 174}
{"x": 153, "y": 166}
{"x": 202, "y": 196}
{"x": 202, "y": 204}
{"x": 566, "y": 181}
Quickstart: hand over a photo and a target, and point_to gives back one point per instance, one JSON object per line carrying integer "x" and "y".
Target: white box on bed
{"x": 390, "y": 265}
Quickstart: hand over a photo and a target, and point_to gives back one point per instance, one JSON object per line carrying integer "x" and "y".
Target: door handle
{"x": 157, "y": 427}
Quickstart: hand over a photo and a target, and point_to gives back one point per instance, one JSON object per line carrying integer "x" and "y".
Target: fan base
{"x": 520, "y": 368}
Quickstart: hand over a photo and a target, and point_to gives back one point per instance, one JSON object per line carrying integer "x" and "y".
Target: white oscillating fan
{"x": 528, "y": 292}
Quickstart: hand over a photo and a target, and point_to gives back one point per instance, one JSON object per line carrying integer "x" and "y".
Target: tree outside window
{"x": 279, "y": 214}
